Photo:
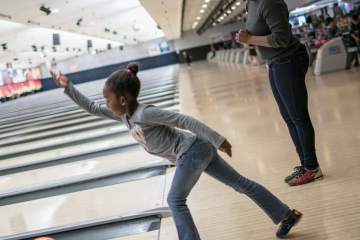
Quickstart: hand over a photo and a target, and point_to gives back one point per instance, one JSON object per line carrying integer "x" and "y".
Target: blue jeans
{"x": 287, "y": 80}
{"x": 203, "y": 157}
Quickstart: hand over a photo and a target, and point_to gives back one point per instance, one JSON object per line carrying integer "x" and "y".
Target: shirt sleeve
{"x": 87, "y": 104}
{"x": 276, "y": 16}
{"x": 159, "y": 116}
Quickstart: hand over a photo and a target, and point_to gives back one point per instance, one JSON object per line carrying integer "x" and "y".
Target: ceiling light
{"x": 206, "y": 1}
{"x": 228, "y": 11}
{"x": 238, "y": 3}
{"x": 46, "y": 10}
{"x": 204, "y": 5}
{"x": 4, "y": 46}
{"x": 198, "y": 18}
{"x": 5, "y": 16}
{"x": 233, "y": 7}
{"x": 202, "y": 10}
{"x": 78, "y": 22}
{"x": 136, "y": 27}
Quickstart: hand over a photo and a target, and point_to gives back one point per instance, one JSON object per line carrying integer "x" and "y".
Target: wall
{"x": 190, "y": 39}
{"x": 104, "y": 71}
{"x": 292, "y": 4}
{"x": 110, "y": 57}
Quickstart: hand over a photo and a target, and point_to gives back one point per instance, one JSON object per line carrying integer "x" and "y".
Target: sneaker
{"x": 292, "y": 218}
{"x": 298, "y": 170}
{"x": 306, "y": 177}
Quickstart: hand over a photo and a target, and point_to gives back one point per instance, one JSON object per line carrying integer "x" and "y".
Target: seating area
{"x": 330, "y": 57}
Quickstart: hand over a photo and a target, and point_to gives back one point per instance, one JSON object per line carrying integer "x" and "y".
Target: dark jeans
{"x": 350, "y": 59}
{"x": 203, "y": 157}
{"x": 287, "y": 79}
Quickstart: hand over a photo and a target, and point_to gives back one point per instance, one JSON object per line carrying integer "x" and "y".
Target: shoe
{"x": 292, "y": 218}
{"x": 306, "y": 177}
{"x": 298, "y": 170}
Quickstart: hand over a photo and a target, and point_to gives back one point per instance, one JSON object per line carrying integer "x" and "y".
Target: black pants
{"x": 350, "y": 59}
{"x": 287, "y": 79}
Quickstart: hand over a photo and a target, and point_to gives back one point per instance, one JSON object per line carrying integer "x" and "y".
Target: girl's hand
{"x": 242, "y": 37}
{"x": 59, "y": 79}
{"x": 226, "y": 148}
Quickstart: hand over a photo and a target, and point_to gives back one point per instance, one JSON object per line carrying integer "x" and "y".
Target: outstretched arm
{"x": 80, "y": 99}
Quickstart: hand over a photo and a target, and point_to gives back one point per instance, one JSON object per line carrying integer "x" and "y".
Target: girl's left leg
{"x": 270, "y": 204}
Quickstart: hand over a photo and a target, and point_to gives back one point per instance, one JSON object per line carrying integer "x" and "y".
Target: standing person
{"x": 338, "y": 12}
{"x": 355, "y": 35}
{"x": 187, "y": 58}
{"x": 159, "y": 132}
{"x": 332, "y": 29}
{"x": 268, "y": 28}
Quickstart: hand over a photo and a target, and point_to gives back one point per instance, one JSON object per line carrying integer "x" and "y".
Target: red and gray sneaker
{"x": 298, "y": 170}
{"x": 293, "y": 217}
{"x": 306, "y": 177}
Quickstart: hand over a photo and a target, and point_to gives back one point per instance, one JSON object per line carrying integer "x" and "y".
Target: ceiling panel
{"x": 168, "y": 15}
{"x": 126, "y": 22}
{"x": 20, "y": 38}
{"x": 127, "y": 17}
{"x": 193, "y": 7}
{"x": 192, "y": 12}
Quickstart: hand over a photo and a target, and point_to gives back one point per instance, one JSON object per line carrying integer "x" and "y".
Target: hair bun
{"x": 133, "y": 68}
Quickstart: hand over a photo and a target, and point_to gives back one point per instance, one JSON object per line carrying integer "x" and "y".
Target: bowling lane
{"x": 63, "y": 139}
{"x": 132, "y": 156}
{"x": 36, "y": 127}
{"x": 108, "y": 201}
{"x": 57, "y": 132}
{"x": 153, "y": 235}
{"x": 122, "y": 139}
{"x": 168, "y": 230}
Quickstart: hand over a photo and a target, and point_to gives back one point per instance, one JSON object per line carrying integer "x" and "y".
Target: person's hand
{"x": 226, "y": 148}
{"x": 242, "y": 37}
{"x": 59, "y": 79}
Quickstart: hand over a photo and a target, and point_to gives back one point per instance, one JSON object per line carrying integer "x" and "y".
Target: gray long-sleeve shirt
{"x": 271, "y": 18}
{"x": 158, "y": 131}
